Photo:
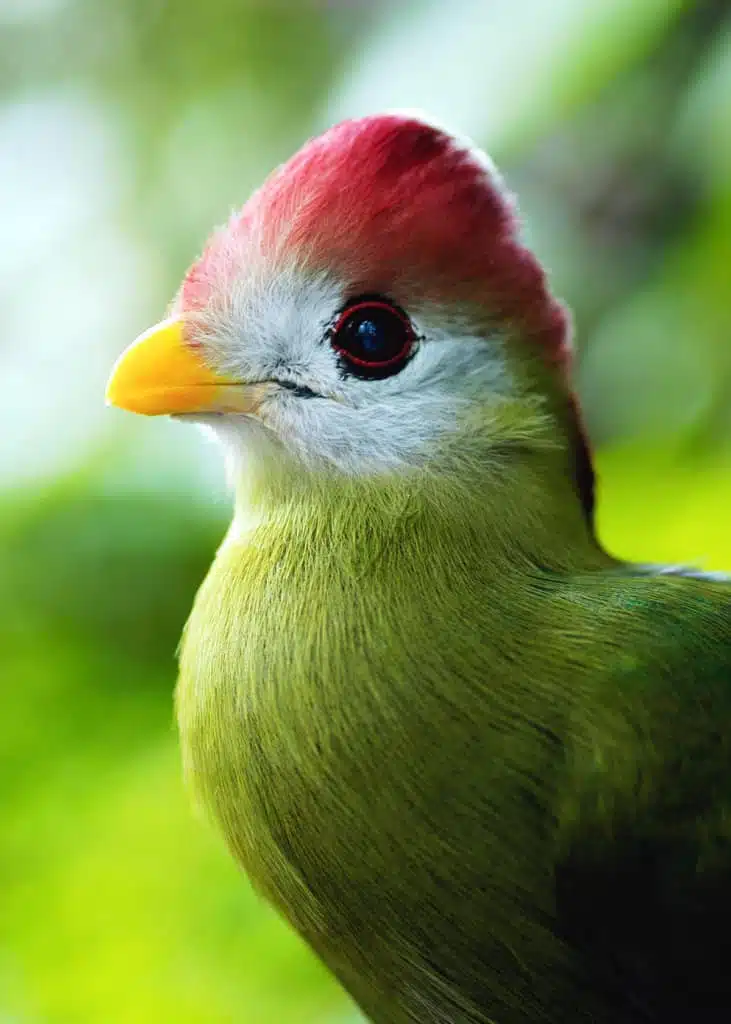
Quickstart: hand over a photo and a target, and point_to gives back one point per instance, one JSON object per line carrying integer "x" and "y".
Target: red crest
{"x": 391, "y": 204}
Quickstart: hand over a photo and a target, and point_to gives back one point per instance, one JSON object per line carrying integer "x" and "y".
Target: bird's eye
{"x": 373, "y": 338}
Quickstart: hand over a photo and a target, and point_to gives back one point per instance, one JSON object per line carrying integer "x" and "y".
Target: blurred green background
{"x": 127, "y": 129}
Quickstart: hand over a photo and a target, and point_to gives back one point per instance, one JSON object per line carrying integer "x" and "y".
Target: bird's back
{"x": 644, "y": 880}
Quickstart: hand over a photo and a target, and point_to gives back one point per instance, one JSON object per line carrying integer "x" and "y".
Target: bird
{"x": 481, "y": 765}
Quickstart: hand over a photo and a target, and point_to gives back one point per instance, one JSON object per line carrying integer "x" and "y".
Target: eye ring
{"x": 373, "y": 337}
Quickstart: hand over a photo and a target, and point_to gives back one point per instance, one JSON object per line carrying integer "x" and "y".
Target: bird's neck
{"x": 528, "y": 501}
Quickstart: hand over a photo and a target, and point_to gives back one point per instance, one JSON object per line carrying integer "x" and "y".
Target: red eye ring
{"x": 372, "y": 322}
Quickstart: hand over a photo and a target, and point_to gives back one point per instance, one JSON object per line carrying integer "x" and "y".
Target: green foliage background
{"x": 127, "y": 130}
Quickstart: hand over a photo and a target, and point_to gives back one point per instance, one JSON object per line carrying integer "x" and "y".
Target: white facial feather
{"x": 275, "y": 327}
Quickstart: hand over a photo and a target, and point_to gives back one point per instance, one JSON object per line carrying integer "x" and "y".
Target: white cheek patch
{"x": 369, "y": 438}
{"x": 274, "y": 327}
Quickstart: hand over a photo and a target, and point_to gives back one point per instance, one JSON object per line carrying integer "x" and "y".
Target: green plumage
{"x": 481, "y": 767}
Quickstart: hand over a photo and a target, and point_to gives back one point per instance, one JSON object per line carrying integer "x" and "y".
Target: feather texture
{"x": 426, "y": 710}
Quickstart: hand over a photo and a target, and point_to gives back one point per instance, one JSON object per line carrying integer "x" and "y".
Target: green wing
{"x": 644, "y": 870}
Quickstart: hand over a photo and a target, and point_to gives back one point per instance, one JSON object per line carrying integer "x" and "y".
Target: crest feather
{"x": 390, "y": 203}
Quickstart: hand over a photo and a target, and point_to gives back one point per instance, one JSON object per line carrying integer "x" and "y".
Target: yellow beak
{"x": 162, "y": 374}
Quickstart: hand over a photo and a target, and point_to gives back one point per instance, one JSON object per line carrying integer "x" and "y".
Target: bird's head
{"x": 371, "y": 304}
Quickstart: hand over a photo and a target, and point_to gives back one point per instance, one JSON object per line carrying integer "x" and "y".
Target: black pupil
{"x": 373, "y": 334}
